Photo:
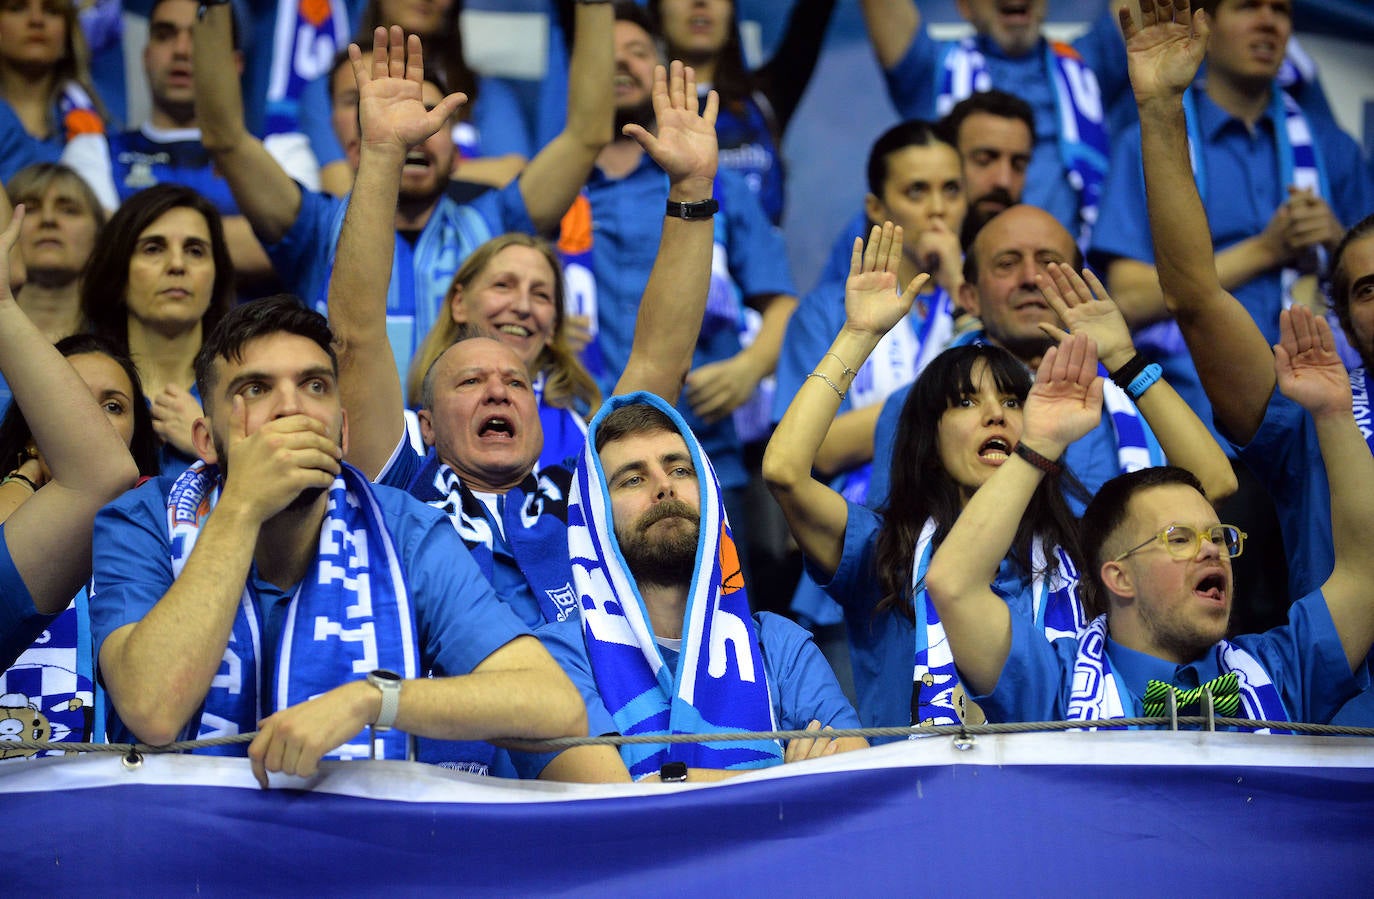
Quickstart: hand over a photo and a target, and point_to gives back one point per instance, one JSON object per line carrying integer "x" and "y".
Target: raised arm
{"x": 817, "y": 515}
{"x": 1310, "y": 373}
{"x": 551, "y": 181}
{"x": 892, "y": 26}
{"x": 266, "y": 195}
{"x": 670, "y": 313}
{"x": 1229, "y": 350}
{"x": 1064, "y": 404}
{"x": 392, "y": 118}
{"x": 1182, "y": 435}
{"x": 49, "y": 536}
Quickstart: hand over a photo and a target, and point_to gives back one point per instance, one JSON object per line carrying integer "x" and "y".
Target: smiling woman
{"x": 159, "y": 280}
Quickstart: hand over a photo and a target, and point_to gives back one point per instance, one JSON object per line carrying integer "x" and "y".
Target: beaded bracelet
{"x": 833, "y": 386}
{"x": 1048, "y": 466}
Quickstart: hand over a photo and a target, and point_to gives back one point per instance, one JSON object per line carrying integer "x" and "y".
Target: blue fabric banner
{"x": 1171, "y": 813}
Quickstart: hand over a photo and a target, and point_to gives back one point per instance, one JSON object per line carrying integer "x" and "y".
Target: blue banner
{"x": 1038, "y": 814}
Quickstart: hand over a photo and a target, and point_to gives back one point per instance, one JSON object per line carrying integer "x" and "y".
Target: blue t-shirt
{"x": 458, "y": 620}
{"x": 628, "y": 218}
{"x": 748, "y": 149}
{"x": 20, "y": 622}
{"x": 914, "y": 85}
{"x": 17, "y": 149}
{"x": 1241, "y": 188}
{"x": 420, "y": 273}
{"x": 1303, "y": 659}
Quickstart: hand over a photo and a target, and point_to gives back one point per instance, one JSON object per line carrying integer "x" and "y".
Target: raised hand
{"x": 1164, "y": 50}
{"x": 872, "y": 303}
{"x": 685, "y": 146}
{"x": 1066, "y": 400}
{"x": 8, "y": 238}
{"x": 391, "y": 108}
{"x": 1306, "y": 364}
{"x": 1087, "y": 309}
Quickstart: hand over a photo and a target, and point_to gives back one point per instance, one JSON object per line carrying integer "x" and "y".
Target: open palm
{"x": 1306, "y": 365}
{"x": 391, "y": 108}
{"x": 684, "y": 144}
{"x": 1164, "y": 50}
{"x": 872, "y": 303}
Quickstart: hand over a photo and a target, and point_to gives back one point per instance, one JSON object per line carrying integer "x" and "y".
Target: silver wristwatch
{"x": 389, "y": 682}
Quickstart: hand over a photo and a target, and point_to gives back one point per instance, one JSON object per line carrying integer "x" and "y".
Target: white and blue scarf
{"x": 1359, "y": 404}
{"x": 52, "y": 687}
{"x": 1055, "y": 607}
{"x": 350, "y": 615}
{"x": 1098, "y": 693}
{"x": 720, "y": 683}
{"x": 1083, "y": 144}
{"x": 308, "y": 35}
{"x": 534, "y": 521}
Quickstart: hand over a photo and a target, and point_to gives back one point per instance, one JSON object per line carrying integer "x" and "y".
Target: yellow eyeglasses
{"x": 1183, "y": 541}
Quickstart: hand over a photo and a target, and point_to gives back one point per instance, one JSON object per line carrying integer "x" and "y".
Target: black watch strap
{"x": 700, "y": 209}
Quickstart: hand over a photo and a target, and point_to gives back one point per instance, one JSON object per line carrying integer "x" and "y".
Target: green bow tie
{"x": 1225, "y": 696}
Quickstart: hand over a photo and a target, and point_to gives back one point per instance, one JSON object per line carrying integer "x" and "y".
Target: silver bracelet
{"x": 848, "y": 372}
{"x": 833, "y": 386}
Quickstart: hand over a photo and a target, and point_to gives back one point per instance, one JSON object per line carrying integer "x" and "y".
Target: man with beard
{"x": 621, "y": 209}
{"x": 665, "y": 613}
{"x": 1160, "y": 572}
{"x": 434, "y": 233}
{"x": 994, "y": 133}
{"x": 260, "y": 588}
{"x": 1069, "y": 87}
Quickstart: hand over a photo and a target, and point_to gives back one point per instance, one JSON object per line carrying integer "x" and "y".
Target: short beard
{"x": 669, "y": 560}
{"x": 975, "y": 219}
{"x": 641, "y": 115}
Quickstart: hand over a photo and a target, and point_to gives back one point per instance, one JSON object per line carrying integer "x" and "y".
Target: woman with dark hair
{"x": 55, "y": 243}
{"x": 46, "y": 94}
{"x": 45, "y": 530}
{"x": 158, "y": 281}
{"x": 961, "y": 421}
{"x": 755, "y": 106}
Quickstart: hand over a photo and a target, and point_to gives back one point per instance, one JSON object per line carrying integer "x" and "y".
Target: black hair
{"x": 921, "y": 488}
{"x": 637, "y": 418}
{"x": 1338, "y": 288}
{"x": 911, "y": 133}
{"x": 991, "y": 102}
{"x": 14, "y": 429}
{"x": 279, "y": 314}
{"x": 105, "y": 284}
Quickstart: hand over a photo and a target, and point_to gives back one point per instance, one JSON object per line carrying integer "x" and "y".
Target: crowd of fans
{"x": 447, "y": 437}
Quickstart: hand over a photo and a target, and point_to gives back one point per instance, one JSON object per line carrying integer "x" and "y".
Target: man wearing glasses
{"x": 1160, "y": 573}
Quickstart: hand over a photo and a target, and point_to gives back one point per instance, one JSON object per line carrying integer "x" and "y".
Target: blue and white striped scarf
{"x": 1083, "y": 144}
{"x": 1098, "y": 693}
{"x": 720, "y": 683}
{"x": 1055, "y": 608}
{"x": 307, "y": 36}
{"x": 350, "y": 615}
{"x": 1359, "y": 404}
{"x": 53, "y": 684}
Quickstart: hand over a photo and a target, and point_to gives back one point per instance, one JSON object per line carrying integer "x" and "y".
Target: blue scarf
{"x": 350, "y": 615}
{"x": 1098, "y": 693}
{"x": 50, "y": 692}
{"x": 1083, "y": 144}
{"x": 308, "y": 34}
{"x": 1359, "y": 401}
{"x": 720, "y": 683}
{"x": 1055, "y": 608}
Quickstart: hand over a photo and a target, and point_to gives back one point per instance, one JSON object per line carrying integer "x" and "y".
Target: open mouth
{"x": 994, "y": 450}
{"x": 497, "y": 427}
{"x": 1212, "y": 587}
{"x": 1016, "y": 11}
{"x": 514, "y": 330}
{"x": 416, "y": 160}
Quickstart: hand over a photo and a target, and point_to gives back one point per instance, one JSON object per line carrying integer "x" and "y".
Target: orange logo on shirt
{"x": 315, "y": 11}
{"x": 575, "y": 234}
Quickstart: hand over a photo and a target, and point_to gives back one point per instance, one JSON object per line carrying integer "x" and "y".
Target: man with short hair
{"x": 433, "y": 233}
{"x": 167, "y": 147}
{"x": 1160, "y": 562}
{"x": 1068, "y": 86}
{"x": 669, "y": 635}
{"x": 994, "y": 132}
{"x": 261, "y": 587}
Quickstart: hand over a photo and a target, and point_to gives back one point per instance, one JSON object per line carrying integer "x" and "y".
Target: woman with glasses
{"x": 962, "y": 423}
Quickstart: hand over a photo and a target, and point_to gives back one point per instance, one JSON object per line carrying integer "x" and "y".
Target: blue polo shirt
{"x": 1304, "y": 660}
{"x": 1241, "y": 189}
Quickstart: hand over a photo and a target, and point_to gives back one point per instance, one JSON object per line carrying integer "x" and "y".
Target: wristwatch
{"x": 698, "y": 210}
{"x": 673, "y": 772}
{"x": 389, "y": 682}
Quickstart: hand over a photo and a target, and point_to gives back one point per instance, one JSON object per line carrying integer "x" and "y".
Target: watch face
{"x": 383, "y": 674}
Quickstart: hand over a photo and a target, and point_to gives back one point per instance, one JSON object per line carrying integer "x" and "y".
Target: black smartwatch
{"x": 673, "y": 772}
{"x": 695, "y": 211}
